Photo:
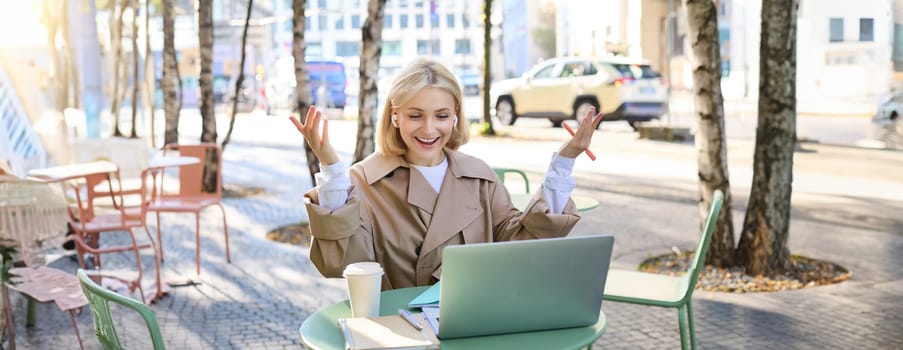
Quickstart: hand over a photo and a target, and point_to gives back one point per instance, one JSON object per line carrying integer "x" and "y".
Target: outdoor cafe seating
{"x": 90, "y": 220}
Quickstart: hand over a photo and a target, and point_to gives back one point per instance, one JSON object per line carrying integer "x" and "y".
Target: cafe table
{"x": 320, "y": 330}
{"x": 521, "y": 200}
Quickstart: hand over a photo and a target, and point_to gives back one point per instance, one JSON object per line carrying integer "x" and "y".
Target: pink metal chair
{"x": 88, "y": 223}
{"x": 190, "y": 198}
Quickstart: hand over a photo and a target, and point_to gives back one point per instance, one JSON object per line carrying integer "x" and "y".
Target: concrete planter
{"x": 665, "y": 133}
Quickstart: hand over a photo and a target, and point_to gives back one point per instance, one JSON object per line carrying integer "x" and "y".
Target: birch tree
{"x": 117, "y": 69}
{"x": 371, "y": 51}
{"x": 135, "y": 72}
{"x": 302, "y": 82}
{"x": 711, "y": 144}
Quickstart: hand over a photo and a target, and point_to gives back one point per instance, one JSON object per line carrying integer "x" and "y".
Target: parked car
{"x": 565, "y": 88}
{"x": 886, "y": 122}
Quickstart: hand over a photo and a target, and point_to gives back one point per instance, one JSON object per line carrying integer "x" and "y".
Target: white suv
{"x": 565, "y": 88}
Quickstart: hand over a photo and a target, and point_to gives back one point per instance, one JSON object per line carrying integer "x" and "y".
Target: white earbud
{"x": 395, "y": 120}
{"x": 455, "y": 122}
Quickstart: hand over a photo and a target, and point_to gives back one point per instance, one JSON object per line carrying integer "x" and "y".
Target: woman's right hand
{"x": 318, "y": 142}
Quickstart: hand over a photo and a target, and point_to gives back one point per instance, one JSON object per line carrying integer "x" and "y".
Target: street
{"x": 625, "y": 161}
{"x": 740, "y": 122}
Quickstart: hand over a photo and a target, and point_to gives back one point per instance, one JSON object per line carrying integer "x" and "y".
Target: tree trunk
{"x": 487, "y": 64}
{"x": 763, "y": 243}
{"x": 241, "y": 76}
{"x": 302, "y": 82}
{"x": 371, "y": 51}
{"x": 149, "y": 85}
{"x": 171, "y": 98}
{"x": 73, "y": 90}
{"x": 72, "y": 87}
{"x": 118, "y": 67}
{"x": 134, "y": 132}
{"x": 710, "y": 140}
{"x": 205, "y": 80}
{"x": 49, "y": 13}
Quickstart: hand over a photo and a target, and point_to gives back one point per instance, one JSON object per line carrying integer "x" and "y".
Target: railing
{"x": 19, "y": 145}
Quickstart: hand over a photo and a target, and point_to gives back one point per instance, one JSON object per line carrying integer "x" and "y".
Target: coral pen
{"x": 571, "y": 131}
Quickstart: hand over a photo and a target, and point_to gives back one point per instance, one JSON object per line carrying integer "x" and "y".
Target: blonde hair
{"x": 416, "y": 75}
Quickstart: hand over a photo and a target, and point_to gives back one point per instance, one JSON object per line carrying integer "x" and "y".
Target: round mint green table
{"x": 320, "y": 331}
{"x": 521, "y": 200}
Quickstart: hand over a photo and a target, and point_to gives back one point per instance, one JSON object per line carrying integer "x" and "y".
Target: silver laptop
{"x": 519, "y": 286}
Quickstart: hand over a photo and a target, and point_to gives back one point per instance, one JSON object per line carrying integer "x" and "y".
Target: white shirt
{"x": 333, "y": 182}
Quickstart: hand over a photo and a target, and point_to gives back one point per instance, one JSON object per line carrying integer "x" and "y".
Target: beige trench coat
{"x": 395, "y": 218}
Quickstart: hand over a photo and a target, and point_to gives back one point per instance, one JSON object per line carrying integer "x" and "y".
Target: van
{"x": 332, "y": 74}
{"x": 281, "y": 86}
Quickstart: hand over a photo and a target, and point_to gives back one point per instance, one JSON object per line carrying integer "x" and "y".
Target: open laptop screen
{"x": 506, "y": 287}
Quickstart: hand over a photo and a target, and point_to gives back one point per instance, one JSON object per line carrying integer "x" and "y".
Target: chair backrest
{"x": 702, "y": 249}
{"x": 500, "y": 172}
{"x": 132, "y": 210}
{"x": 99, "y": 299}
{"x": 191, "y": 177}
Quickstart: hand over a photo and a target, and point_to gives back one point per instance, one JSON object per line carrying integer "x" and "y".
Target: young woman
{"x": 417, "y": 194}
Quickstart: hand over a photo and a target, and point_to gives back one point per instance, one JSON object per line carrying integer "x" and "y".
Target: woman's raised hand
{"x": 583, "y": 136}
{"x": 319, "y": 142}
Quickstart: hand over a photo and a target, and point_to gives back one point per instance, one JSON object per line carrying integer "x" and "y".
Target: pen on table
{"x": 349, "y": 344}
{"x": 571, "y": 131}
{"x": 407, "y": 316}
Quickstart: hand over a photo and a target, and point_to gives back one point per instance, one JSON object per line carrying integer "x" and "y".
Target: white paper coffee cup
{"x": 364, "y": 285}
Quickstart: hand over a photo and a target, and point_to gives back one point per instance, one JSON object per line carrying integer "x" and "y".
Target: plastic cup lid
{"x": 363, "y": 268}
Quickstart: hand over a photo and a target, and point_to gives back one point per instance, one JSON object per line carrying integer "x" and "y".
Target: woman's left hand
{"x": 582, "y": 136}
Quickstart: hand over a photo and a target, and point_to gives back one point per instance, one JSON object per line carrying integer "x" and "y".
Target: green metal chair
{"x": 500, "y": 172}
{"x": 99, "y": 298}
{"x": 667, "y": 291}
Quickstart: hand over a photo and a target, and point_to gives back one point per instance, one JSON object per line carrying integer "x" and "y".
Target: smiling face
{"x": 426, "y": 123}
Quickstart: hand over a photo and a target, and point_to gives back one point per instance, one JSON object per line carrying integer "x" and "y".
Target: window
{"x": 450, "y": 21}
{"x": 427, "y": 47}
{"x": 355, "y": 21}
{"x": 321, "y": 4}
{"x": 465, "y": 21}
{"x": 306, "y": 23}
{"x": 462, "y": 46}
{"x": 392, "y": 48}
{"x": 573, "y": 69}
{"x": 434, "y": 20}
{"x": 403, "y": 21}
{"x": 340, "y": 23}
{"x": 313, "y": 49}
{"x": 348, "y": 48}
{"x": 836, "y": 30}
{"x": 418, "y": 21}
{"x": 544, "y": 72}
{"x": 322, "y": 23}
{"x": 387, "y": 21}
{"x": 866, "y": 29}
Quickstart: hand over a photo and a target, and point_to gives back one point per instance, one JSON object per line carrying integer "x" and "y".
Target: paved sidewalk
{"x": 260, "y": 299}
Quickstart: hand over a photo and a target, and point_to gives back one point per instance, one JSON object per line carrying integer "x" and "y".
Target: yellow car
{"x": 565, "y": 88}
